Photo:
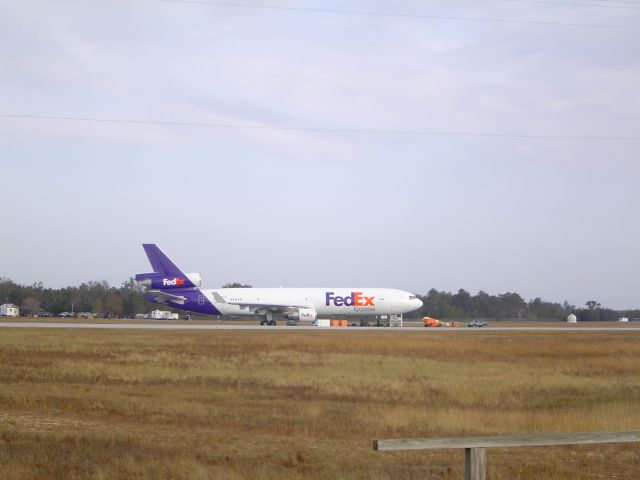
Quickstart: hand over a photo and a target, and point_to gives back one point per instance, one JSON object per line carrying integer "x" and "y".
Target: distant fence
{"x": 475, "y": 447}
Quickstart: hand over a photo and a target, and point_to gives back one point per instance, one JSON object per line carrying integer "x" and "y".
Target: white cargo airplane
{"x": 167, "y": 284}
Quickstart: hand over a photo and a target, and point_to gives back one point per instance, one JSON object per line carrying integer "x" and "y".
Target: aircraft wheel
{"x": 264, "y": 323}
{"x": 272, "y": 323}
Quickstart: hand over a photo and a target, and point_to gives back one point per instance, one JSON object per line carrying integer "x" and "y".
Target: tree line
{"x": 95, "y": 297}
{"x": 129, "y": 299}
{"x": 511, "y": 306}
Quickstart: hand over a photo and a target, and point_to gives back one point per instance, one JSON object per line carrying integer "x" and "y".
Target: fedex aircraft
{"x": 168, "y": 285}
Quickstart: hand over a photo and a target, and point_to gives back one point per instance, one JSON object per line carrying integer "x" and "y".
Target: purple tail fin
{"x": 168, "y": 285}
{"x": 159, "y": 261}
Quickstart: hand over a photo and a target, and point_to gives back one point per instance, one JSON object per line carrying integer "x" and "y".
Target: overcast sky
{"x": 556, "y": 218}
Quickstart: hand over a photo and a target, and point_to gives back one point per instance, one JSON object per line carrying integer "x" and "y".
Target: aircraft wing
{"x": 261, "y": 307}
{"x": 162, "y": 297}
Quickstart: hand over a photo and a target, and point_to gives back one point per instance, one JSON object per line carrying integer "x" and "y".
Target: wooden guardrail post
{"x": 475, "y": 464}
{"x": 475, "y": 454}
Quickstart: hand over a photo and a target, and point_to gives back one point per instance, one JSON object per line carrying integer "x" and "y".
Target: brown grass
{"x": 277, "y": 404}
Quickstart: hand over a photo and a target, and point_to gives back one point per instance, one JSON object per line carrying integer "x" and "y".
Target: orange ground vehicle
{"x": 432, "y": 322}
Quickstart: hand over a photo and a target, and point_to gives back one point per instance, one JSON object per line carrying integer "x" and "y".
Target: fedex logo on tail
{"x": 356, "y": 299}
{"x": 175, "y": 282}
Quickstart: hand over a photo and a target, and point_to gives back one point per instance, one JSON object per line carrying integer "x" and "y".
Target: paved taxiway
{"x": 158, "y": 326}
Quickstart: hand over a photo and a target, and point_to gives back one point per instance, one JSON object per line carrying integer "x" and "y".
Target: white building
{"x": 9, "y": 310}
{"x": 572, "y": 319}
{"x": 163, "y": 315}
{"x": 623, "y": 319}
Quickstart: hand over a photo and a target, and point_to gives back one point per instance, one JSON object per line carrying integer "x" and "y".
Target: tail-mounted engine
{"x": 159, "y": 281}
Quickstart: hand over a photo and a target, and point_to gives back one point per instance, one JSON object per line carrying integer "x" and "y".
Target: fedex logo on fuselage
{"x": 356, "y": 299}
{"x": 175, "y": 282}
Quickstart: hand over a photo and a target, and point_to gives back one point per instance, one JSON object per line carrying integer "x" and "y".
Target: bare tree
{"x": 30, "y": 305}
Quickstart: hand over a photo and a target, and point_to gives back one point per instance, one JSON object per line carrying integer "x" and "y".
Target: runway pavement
{"x": 172, "y": 326}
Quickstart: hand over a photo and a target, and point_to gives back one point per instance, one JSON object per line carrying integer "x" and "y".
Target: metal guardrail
{"x": 475, "y": 447}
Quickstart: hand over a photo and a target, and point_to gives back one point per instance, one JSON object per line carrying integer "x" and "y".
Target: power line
{"x": 545, "y": 2}
{"x": 628, "y": 2}
{"x": 401, "y": 15}
{"x": 320, "y": 129}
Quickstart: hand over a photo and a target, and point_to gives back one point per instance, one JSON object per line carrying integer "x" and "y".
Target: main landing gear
{"x": 268, "y": 320}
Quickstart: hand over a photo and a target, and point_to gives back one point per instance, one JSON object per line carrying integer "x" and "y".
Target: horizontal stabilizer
{"x": 163, "y": 297}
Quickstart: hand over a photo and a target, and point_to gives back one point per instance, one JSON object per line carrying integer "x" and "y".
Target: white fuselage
{"x": 325, "y": 301}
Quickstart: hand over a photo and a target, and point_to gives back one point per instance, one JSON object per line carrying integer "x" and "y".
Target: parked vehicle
{"x": 477, "y": 323}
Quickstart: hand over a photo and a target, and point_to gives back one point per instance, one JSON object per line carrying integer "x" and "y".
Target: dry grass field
{"x": 286, "y": 405}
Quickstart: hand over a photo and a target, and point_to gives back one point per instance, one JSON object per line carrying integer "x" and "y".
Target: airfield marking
{"x": 155, "y": 326}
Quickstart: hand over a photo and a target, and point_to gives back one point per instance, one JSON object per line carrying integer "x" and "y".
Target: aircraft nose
{"x": 417, "y": 303}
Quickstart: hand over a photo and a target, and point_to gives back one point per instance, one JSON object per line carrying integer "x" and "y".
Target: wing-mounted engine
{"x": 159, "y": 281}
{"x": 304, "y": 314}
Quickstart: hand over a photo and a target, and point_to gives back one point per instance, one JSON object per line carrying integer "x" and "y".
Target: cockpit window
{"x": 412, "y": 297}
